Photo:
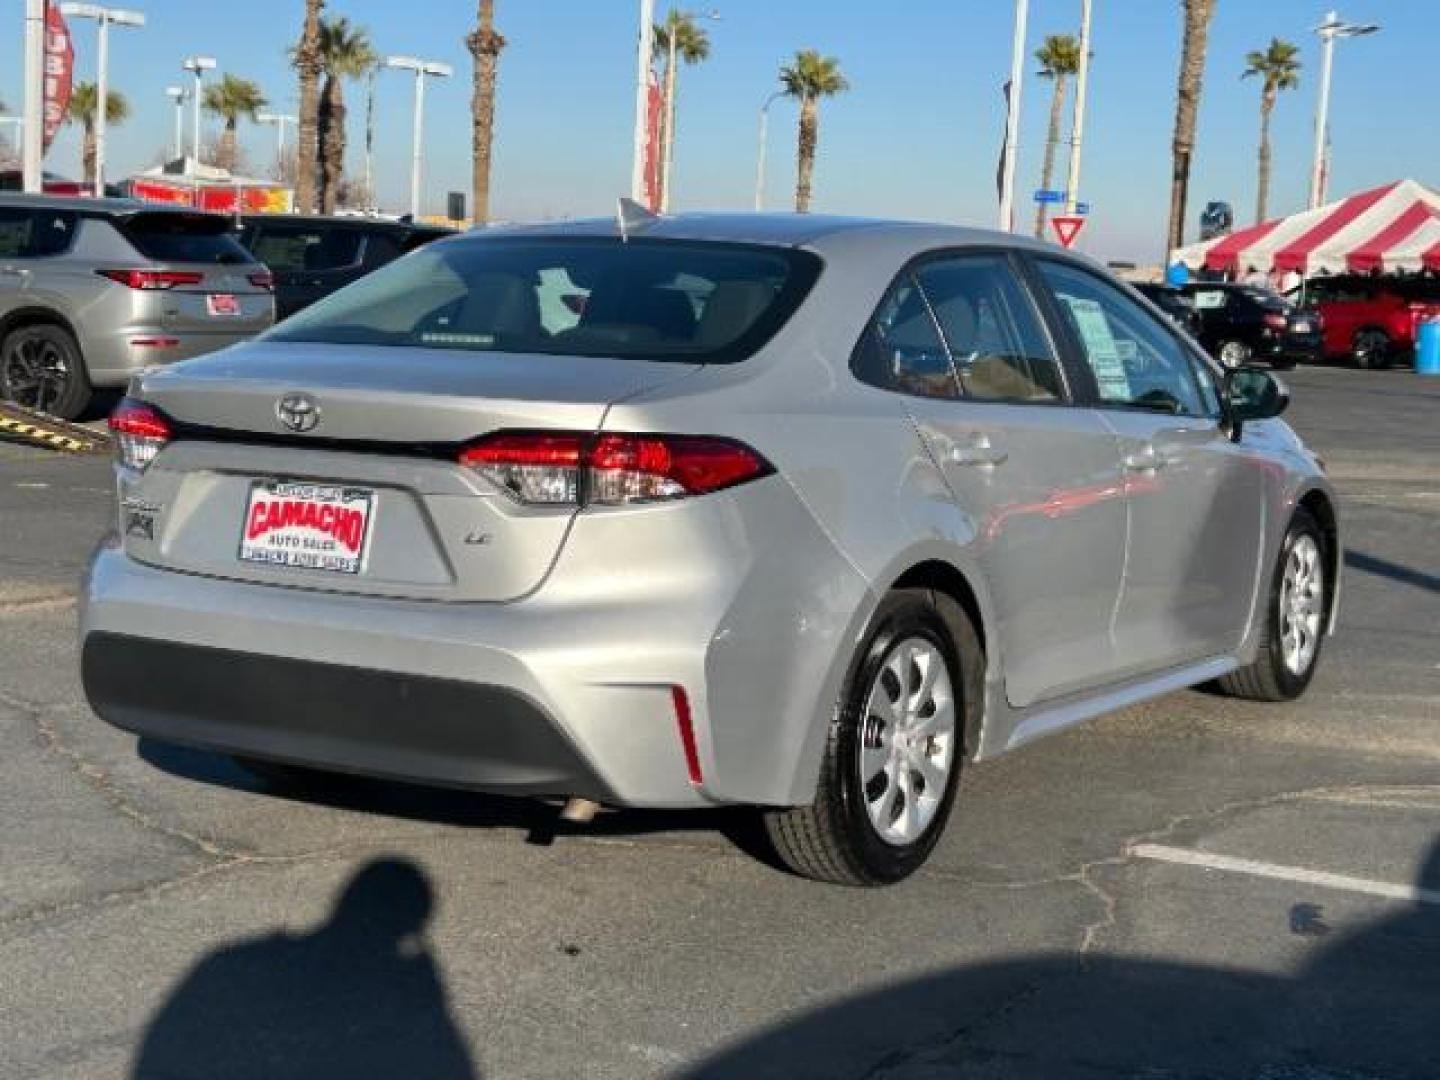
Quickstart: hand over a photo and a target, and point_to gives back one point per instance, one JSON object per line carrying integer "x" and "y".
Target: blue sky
{"x": 916, "y": 136}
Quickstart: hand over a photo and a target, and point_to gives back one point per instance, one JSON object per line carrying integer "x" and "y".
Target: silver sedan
{"x": 794, "y": 512}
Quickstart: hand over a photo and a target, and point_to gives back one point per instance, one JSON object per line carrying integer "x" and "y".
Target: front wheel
{"x": 1234, "y": 354}
{"x": 1296, "y": 611}
{"x": 894, "y": 753}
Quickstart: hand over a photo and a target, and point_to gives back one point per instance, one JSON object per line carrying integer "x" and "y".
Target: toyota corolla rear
{"x": 398, "y": 536}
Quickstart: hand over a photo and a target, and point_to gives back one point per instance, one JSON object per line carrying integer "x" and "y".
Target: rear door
{"x": 310, "y": 260}
{"x": 1195, "y": 499}
{"x": 959, "y": 336}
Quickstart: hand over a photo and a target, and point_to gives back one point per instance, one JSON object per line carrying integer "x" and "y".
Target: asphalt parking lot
{"x": 1193, "y": 888}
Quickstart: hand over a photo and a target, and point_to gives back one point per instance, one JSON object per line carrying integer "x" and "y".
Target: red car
{"x": 1373, "y": 320}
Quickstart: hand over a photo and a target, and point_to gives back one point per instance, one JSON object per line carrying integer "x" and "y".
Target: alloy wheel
{"x": 1302, "y": 605}
{"x": 907, "y": 741}
{"x": 1233, "y": 354}
{"x": 35, "y": 372}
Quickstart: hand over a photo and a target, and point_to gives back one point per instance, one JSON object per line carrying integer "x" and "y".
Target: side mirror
{"x": 1253, "y": 393}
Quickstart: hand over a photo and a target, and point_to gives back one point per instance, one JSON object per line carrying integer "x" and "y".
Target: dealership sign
{"x": 59, "y": 70}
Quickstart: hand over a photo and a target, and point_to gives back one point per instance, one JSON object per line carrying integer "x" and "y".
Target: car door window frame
{"x": 1079, "y": 358}
{"x": 1022, "y": 278}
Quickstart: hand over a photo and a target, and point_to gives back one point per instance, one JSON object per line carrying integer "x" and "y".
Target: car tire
{"x": 1372, "y": 348}
{"x": 1233, "y": 354}
{"x": 878, "y": 832}
{"x": 41, "y": 368}
{"x": 1297, "y": 607}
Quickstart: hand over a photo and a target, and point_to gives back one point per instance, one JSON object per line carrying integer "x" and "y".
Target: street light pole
{"x": 177, "y": 95}
{"x": 760, "y": 149}
{"x": 199, "y": 65}
{"x": 279, "y": 120}
{"x": 1012, "y": 119}
{"x": 103, "y": 17}
{"x": 1082, "y": 79}
{"x": 1329, "y": 30}
{"x": 421, "y": 68}
{"x": 643, "y": 48}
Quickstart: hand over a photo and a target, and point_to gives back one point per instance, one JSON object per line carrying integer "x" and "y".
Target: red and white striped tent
{"x": 1392, "y": 228}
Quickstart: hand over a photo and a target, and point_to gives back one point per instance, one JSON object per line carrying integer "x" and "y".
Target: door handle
{"x": 1147, "y": 459}
{"x": 978, "y": 453}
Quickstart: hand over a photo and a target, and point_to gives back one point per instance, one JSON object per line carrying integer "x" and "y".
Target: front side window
{"x": 1000, "y": 351}
{"x": 1137, "y": 363}
{"x": 668, "y": 300}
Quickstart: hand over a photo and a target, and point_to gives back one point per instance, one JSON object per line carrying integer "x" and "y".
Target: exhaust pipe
{"x": 579, "y": 811}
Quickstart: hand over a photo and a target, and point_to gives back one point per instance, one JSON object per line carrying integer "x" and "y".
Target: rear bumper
{"x": 113, "y": 358}
{"x": 1293, "y": 347}
{"x": 350, "y": 719}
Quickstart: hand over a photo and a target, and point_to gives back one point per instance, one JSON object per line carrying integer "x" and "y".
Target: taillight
{"x": 264, "y": 281}
{"x": 140, "y": 432}
{"x": 568, "y": 468}
{"x": 152, "y": 280}
{"x": 1275, "y": 320}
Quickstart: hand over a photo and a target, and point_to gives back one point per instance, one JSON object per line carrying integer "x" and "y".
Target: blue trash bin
{"x": 1427, "y": 348}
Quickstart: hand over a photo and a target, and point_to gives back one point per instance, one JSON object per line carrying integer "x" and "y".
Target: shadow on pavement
{"x": 359, "y": 997}
{"x": 1366, "y": 1007}
{"x": 1406, "y": 575}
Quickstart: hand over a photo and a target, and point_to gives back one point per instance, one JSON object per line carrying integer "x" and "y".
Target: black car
{"x": 1240, "y": 324}
{"x": 313, "y": 256}
{"x": 1172, "y": 302}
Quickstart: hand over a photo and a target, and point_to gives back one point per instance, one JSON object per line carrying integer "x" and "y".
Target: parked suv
{"x": 93, "y": 290}
{"x": 1372, "y": 320}
{"x": 1239, "y": 323}
{"x": 311, "y": 257}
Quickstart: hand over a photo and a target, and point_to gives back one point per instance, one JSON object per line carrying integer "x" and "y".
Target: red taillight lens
{"x": 1275, "y": 320}
{"x": 557, "y": 468}
{"x": 151, "y": 280}
{"x": 140, "y": 432}
{"x": 263, "y": 281}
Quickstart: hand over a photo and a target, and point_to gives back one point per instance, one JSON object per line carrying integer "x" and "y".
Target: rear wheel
{"x": 1371, "y": 348}
{"x": 41, "y": 368}
{"x": 893, "y": 758}
{"x": 1294, "y": 628}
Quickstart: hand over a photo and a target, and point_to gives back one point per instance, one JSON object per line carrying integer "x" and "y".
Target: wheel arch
{"x": 34, "y": 315}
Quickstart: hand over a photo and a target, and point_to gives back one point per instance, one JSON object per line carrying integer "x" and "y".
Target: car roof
{"x": 350, "y": 221}
{"x": 96, "y": 207}
{"x": 772, "y": 229}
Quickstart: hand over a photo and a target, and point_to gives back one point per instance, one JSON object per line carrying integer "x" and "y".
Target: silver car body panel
{"x": 752, "y": 599}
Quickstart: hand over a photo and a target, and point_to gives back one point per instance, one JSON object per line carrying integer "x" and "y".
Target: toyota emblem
{"x": 298, "y": 412}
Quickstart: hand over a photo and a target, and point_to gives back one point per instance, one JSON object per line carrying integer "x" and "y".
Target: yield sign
{"x": 1067, "y": 229}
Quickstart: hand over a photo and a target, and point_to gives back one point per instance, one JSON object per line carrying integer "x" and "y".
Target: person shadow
{"x": 1363, "y": 1007}
{"x": 359, "y": 997}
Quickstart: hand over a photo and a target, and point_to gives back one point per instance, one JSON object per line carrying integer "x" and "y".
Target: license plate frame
{"x": 278, "y": 530}
{"x": 222, "y": 305}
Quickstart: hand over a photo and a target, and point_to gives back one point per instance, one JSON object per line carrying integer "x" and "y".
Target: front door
{"x": 1037, "y": 479}
{"x": 1195, "y": 500}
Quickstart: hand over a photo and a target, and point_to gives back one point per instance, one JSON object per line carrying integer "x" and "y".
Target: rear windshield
{"x": 291, "y": 248}
{"x": 646, "y": 299}
{"x": 187, "y": 238}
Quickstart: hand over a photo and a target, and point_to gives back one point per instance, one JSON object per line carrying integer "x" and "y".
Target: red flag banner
{"x": 59, "y": 70}
{"x": 652, "y": 144}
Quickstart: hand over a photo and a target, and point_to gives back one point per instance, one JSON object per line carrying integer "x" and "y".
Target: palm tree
{"x": 345, "y": 53}
{"x": 692, "y": 45}
{"x": 306, "y": 57}
{"x": 1059, "y": 59}
{"x": 484, "y": 44}
{"x": 1187, "y": 107}
{"x": 82, "y": 111}
{"x": 1279, "y": 69}
{"x": 230, "y": 99}
{"x": 808, "y": 78}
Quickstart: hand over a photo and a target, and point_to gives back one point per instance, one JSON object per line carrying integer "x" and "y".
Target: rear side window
{"x": 183, "y": 238}
{"x": 692, "y": 302}
{"x": 284, "y": 247}
{"x": 33, "y": 233}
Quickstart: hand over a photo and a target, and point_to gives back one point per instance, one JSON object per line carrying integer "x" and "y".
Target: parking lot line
{"x": 1229, "y": 864}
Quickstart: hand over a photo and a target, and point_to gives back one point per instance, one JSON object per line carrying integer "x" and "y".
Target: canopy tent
{"x": 1393, "y": 228}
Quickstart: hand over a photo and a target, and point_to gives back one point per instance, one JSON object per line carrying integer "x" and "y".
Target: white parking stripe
{"x": 1325, "y": 880}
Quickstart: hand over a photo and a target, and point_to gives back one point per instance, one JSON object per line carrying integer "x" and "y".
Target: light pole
{"x": 643, "y": 48}
{"x": 760, "y": 150}
{"x": 199, "y": 65}
{"x": 1329, "y": 30}
{"x": 667, "y": 151}
{"x": 32, "y": 135}
{"x": 421, "y": 68}
{"x": 178, "y": 96}
{"x": 1012, "y": 118}
{"x": 279, "y": 120}
{"x": 104, "y": 17}
{"x": 1082, "y": 79}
